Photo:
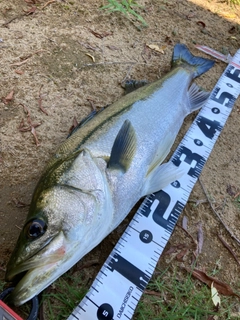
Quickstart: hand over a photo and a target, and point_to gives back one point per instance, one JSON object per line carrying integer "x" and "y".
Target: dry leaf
{"x": 199, "y": 238}
{"x": 228, "y": 15}
{"x": 19, "y": 71}
{"x": 184, "y": 222}
{"x": 88, "y": 54}
{"x": 221, "y": 287}
{"x": 181, "y": 255}
{"x": 30, "y": 11}
{"x": 157, "y": 48}
{"x": 201, "y": 23}
{"x": 175, "y": 248}
{"x": 8, "y": 98}
{"x": 215, "y": 296}
{"x": 100, "y": 35}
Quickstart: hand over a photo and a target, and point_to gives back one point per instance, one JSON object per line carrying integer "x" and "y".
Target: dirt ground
{"x": 69, "y": 55}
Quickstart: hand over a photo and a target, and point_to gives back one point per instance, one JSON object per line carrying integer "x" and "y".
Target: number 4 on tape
{"x": 6, "y": 313}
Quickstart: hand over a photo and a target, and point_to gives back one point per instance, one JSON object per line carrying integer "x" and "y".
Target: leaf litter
{"x": 221, "y": 287}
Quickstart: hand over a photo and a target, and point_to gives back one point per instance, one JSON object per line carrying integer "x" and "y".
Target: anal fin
{"x": 160, "y": 177}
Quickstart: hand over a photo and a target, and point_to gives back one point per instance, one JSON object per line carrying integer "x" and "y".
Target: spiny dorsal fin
{"x": 85, "y": 120}
{"x": 124, "y": 148}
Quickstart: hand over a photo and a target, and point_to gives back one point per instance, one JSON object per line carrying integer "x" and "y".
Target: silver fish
{"x": 101, "y": 171}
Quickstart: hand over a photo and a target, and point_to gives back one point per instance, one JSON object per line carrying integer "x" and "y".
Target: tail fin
{"x": 181, "y": 56}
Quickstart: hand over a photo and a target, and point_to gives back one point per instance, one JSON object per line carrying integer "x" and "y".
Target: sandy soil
{"x": 69, "y": 55}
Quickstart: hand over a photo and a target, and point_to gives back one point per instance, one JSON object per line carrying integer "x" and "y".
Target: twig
{"x": 197, "y": 202}
{"x": 40, "y": 102}
{"x": 108, "y": 63}
{"x": 229, "y": 249}
{"x": 199, "y": 238}
{"x": 12, "y": 19}
{"x": 153, "y": 293}
{"x": 28, "y": 57}
{"x": 32, "y": 125}
{"x": 189, "y": 234}
{"x": 217, "y": 214}
{"x": 47, "y": 3}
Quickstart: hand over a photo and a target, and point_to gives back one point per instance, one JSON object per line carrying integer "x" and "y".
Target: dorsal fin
{"x": 85, "y": 120}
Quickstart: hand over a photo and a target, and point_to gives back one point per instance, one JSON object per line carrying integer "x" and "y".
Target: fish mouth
{"x": 40, "y": 270}
{"x": 33, "y": 282}
{"x": 15, "y": 270}
{"x": 37, "y": 275}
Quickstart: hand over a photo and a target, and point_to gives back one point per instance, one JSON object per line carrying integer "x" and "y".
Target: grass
{"x": 62, "y": 297}
{"x": 181, "y": 299}
{"x": 170, "y": 295}
{"x": 127, "y": 7}
{"x": 234, "y": 2}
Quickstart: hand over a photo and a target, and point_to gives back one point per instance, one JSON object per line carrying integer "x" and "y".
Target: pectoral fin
{"x": 124, "y": 148}
{"x": 160, "y": 177}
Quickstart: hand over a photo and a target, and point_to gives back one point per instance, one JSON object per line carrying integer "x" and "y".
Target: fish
{"x": 98, "y": 174}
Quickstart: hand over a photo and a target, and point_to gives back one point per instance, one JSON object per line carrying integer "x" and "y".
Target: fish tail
{"x": 182, "y": 56}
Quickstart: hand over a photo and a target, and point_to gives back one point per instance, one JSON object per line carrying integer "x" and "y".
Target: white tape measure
{"x": 122, "y": 279}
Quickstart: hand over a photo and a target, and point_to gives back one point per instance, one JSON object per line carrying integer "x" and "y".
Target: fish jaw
{"x": 42, "y": 269}
{"x": 47, "y": 266}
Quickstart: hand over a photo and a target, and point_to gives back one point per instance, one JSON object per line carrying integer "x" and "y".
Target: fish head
{"x": 54, "y": 237}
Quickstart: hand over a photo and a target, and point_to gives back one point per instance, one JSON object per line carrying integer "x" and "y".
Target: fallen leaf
{"x": 228, "y": 15}
{"x": 184, "y": 222}
{"x": 33, "y": 132}
{"x": 31, "y": 127}
{"x": 199, "y": 238}
{"x": 30, "y": 11}
{"x": 181, "y": 255}
{"x": 8, "y": 98}
{"x": 221, "y": 287}
{"x": 100, "y": 35}
{"x": 112, "y": 47}
{"x": 92, "y": 57}
{"x": 215, "y": 296}
{"x": 201, "y": 23}
{"x": 174, "y": 249}
{"x": 40, "y": 102}
{"x": 156, "y": 48}
{"x": 19, "y": 71}
{"x": 30, "y": 1}
{"x": 18, "y": 203}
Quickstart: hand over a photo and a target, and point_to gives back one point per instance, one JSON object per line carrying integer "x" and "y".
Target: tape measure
{"x": 125, "y": 274}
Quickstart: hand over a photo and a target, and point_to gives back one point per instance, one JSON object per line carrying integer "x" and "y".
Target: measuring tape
{"x": 125, "y": 274}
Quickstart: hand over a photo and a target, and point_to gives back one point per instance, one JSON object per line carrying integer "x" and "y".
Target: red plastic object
{"x": 7, "y": 313}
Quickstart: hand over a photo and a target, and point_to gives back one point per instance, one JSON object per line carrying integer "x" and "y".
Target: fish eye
{"x": 35, "y": 228}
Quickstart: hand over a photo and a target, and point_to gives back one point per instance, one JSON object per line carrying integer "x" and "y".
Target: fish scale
{"x": 122, "y": 279}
